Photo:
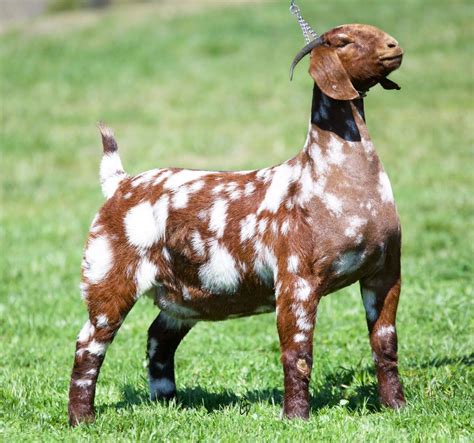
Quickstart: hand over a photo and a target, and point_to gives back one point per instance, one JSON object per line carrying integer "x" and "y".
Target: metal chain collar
{"x": 308, "y": 32}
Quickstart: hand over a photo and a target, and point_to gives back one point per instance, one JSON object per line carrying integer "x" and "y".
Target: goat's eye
{"x": 343, "y": 40}
{"x": 343, "y": 43}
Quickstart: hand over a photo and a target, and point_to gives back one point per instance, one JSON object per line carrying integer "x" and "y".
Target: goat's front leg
{"x": 296, "y": 312}
{"x": 380, "y": 295}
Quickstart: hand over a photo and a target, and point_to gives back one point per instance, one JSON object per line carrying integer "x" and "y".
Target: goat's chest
{"x": 353, "y": 228}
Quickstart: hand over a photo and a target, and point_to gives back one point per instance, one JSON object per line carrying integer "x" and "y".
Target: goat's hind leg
{"x": 380, "y": 295}
{"x": 106, "y": 314}
{"x": 164, "y": 336}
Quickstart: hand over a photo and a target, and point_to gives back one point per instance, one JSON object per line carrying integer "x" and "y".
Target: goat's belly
{"x": 193, "y": 303}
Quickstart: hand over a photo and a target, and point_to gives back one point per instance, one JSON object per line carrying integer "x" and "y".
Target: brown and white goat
{"x": 220, "y": 245}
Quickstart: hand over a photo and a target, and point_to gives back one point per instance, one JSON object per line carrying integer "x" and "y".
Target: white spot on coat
{"x": 300, "y": 337}
{"x": 102, "y": 321}
{"x": 83, "y": 383}
{"x": 247, "y": 227}
{"x": 181, "y": 197}
{"x": 231, "y": 186}
{"x": 217, "y": 189}
{"x": 249, "y": 188}
{"x": 86, "y": 332}
{"x": 262, "y": 225}
{"x": 385, "y": 331}
{"x": 140, "y": 225}
{"x": 265, "y": 263}
{"x": 293, "y": 262}
{"x": 235, "y": 195}
{"x": 184, "y": 176}
{"x": 196, "y": 186}
{"x": 320, "y": 162}
{"x": 97, "y": 347}
{"x": 285, "y": 226}
{"x": 163, "y": 175}
{"x": 334, "y": 151}
{"x": 198, "y": 244}
{"x": 302, "y": 289}
{"x": 217, "y": 222}
{"x": 145, "y": 177}
{"x": 146, "y": 224}
{"x": 385, "y": 188}
{"x": 145, "y": 276}
{"x": 265, "y": 174}
{"x": 333, "y": 203}
{"x": 354, "y": 224}
{"x": 274, "y": 227}
{"x": 302, "y": 321}
{"x": 307, "y": 186}
{"x": 98, "y": 259}
{"x": 277, "y": 189}
{"x": 160, "y": 211}
{"x": 303, "y": 324}
{"x": 220, "y": 273}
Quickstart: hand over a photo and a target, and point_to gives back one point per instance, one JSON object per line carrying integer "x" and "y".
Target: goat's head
{"x": 352, "y": 58}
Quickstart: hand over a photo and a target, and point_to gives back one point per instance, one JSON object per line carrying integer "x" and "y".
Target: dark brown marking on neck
{"x": 336, "y": 115}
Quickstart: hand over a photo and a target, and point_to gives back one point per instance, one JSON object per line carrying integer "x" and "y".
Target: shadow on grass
{"x": 335, "y": 386}
{"x": 330, "y": 394}
{"x": 460, "y": 360}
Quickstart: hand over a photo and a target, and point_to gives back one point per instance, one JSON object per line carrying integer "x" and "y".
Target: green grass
{"x": 208, "y": 88}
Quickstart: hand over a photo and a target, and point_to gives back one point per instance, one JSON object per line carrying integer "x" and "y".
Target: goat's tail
{"x": 111, "y": 169}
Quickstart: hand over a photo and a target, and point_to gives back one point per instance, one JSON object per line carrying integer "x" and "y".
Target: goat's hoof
{"x": 78, "y": 418}
{"x": 396, "y": 403}
{"x": 294, "y": 414}
{"x": 163, "y": 397}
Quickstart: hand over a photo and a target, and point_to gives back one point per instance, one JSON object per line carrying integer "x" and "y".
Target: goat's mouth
{"x": 397, "y": 57}
{"x": 391, "y": 62}
{"x": 393, "y": 59}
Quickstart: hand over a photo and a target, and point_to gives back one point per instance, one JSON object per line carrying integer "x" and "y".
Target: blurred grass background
{"x": 204, "y": 84}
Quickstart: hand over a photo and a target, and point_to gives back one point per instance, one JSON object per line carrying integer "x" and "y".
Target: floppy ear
{"x": 389, "y": 84}
{"x": 329, "y": 74}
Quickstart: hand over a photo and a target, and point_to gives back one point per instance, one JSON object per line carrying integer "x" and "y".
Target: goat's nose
{"x": 392, "y": 43}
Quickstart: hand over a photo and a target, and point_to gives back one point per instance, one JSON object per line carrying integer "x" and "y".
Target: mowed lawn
{"x": 207, "y": 87}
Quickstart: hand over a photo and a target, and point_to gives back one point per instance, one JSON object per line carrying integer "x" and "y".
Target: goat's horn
{"x": 305, "y": 51}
